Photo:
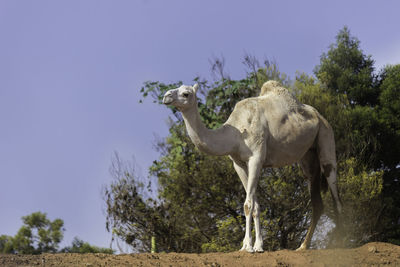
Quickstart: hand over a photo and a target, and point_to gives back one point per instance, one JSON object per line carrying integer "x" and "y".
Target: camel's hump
{"x": 275, "y": 88}
{"x": 270, "y": 86}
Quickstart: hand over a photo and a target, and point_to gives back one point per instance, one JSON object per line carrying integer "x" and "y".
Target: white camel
{"x": 271, "y": 130}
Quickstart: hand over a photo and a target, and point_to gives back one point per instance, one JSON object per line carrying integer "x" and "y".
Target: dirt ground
{"x": 372, "y": 254}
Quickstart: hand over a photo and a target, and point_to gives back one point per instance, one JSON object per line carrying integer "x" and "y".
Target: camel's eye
{"x": 185, "y": 94}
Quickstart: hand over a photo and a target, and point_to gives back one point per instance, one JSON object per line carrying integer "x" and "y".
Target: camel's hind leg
{"x": 327, "y": 158}
{"x": 311, "y": 169}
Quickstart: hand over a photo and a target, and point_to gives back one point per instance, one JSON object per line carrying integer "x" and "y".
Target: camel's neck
{"x": 215, "y": 142}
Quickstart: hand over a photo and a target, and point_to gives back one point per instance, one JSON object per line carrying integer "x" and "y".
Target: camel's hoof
{"x": 258, "y": 246}
{"x": 247, "y": 249}
{"x": 258, "y": 250}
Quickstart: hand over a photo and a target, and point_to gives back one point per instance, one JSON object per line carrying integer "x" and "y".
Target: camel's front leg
{"x": 251, "y": 207}
{"x": 247, "y": 242}
{"x": 242, "y": 172}
{"x": 258, "y": 245}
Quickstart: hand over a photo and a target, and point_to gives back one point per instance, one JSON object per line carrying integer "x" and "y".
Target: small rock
{"x": 372, "y": 249}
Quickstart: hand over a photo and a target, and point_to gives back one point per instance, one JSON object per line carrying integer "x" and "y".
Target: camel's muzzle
{"x": 168, "y": 99}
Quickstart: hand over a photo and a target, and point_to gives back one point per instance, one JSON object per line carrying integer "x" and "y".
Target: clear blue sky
{"x": 71, "y": 71}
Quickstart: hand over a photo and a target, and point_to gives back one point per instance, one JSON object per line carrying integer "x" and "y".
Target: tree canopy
{"x": 80, "y": 246}
{"x": 39, "y": 235}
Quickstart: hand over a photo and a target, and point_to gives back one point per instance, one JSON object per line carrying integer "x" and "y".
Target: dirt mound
{"x": 372, "y": 254}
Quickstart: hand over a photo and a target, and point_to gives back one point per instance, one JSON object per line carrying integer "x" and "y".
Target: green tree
{"x": 389, "y": 114}
{"x": 389, "y": 118}
{"x": 345, "y": 69}
{"x": 6, "y": 245}
{"x": 79, "y": 246}
{"x": 37, "y": 235}
{"x": 132, "y": 215}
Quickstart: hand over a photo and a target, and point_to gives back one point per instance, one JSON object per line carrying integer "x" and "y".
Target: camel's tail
{"x": 324, "y": 183}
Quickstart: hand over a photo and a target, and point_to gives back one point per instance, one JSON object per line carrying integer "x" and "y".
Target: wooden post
{"x": 153, "y": 245}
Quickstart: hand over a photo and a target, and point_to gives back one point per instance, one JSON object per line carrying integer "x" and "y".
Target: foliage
{"x": 361, "y": 192}
{"x": 389, "y": 120}
{"x": 286, "y": 202}
{"x": 389, "y": 115}
{"x": 134, "y": 217}
{"x": 284, "y": 220}
{"x": 40, "y": 235}
{"x": 37, "y": 235}
{"x": 346, "y": 70}
{"x": 79, "y": 246}
{"x": 125, "y": 204}
{"x": 6, "y": 244}
{"x": 390, "y": 97}
{"x": 228, "y": 236}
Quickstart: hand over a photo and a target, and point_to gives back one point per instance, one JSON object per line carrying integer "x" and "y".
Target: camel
{"x": 271, "y": 130}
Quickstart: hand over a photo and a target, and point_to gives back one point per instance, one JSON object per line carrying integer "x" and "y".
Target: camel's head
{"x": 182, "y": 98}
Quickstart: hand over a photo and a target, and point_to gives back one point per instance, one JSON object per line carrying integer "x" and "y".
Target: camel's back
{"x": 287, "y": 126}
{"x": 273, "y": 108}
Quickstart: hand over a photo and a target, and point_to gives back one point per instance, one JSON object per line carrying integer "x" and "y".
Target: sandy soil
{"x": 372, "y": 254}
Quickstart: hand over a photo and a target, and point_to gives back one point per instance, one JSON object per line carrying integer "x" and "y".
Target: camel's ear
{"x": 195, "y": 88}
